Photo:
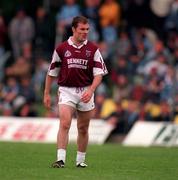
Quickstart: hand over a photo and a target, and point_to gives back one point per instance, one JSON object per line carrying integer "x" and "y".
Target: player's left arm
{"x": 91, "y": 89}
{"x": 99, "y": 70}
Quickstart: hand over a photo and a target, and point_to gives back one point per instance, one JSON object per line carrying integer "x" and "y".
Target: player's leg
{"x": 65, "y": 115}
{"x": 83, "y": 120}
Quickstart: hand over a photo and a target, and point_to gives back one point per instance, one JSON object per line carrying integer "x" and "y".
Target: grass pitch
{"x": 30, "y": 161}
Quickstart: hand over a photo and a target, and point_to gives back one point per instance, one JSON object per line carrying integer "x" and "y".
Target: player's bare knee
{"x": 83, "y": 130}
{"x": 65, "y": 126}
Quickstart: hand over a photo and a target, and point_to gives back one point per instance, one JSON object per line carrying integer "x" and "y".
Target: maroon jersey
{"x": 76, "y": 66}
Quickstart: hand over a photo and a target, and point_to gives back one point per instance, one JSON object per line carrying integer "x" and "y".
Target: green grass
{"x": 30, "y": 161}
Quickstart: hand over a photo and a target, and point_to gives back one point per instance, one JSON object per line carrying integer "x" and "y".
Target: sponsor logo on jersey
{"x": 77, "y": 63}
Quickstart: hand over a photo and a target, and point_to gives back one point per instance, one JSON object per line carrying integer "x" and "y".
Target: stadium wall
{"x": 152, "y": 134}
{"x": 44, "y": 130}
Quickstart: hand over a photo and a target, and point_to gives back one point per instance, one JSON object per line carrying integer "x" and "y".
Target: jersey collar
{"x": 72, "y": 43}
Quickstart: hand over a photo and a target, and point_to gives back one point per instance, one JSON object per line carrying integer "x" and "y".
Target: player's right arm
{"x": 52, "y": 74}
{"x": 47, "y": 96}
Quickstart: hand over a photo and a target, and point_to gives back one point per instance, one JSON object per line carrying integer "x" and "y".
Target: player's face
{"x": 80, "y": 33}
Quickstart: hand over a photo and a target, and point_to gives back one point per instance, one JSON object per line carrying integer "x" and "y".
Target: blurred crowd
{"x": 138, "y": 40}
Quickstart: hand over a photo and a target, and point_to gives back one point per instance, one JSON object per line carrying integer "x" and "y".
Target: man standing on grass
{"x": 78, "y": 66}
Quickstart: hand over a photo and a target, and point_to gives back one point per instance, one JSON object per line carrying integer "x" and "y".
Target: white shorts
{"x": 72, "y": 96}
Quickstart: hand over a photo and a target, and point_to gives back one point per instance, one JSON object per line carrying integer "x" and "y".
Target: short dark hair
{"x": 79, "y": 19}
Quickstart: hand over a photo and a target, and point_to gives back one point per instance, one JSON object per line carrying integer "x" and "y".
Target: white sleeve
{"x": 54, "y": 67}
{"x": 99, "y": 67}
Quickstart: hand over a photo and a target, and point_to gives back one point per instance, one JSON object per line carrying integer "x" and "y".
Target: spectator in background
{"x": 108, "y": 107}
{"x": 133, "y": 63}
{"x": 138, "y": 90}
{"x": 8, "y": 95}
{"x": 158, "y": 48}
{"x": 44, "y": 41}
{"x": 160, "y": 10}
{"x": 120, "y": 77}
{"x": 3, "y": 35}
{"x": 136, "y": 13}
{"x": 25, "y": 99}
{"x": 118, "y": 120}
{"x": 26, "y": 89}
{"x": 123, "y": 45}
{"x": 90, "y": 11}
{"x": 158, "y": 112}
{"x": 38, "y": 77}
{"x": 64, "y": 18}
{"x": 21, "y": 31}
{"x": 26, "y": 110}
{"x": 175, "y": 109}
{"x": 121, "y": 66}
{"x": 99, "y": 101}
{"x": 122, "y": 88}
{"x": 110, "y": 19}
{"x": 171, "y": 22}
{"x": 168, "y": 81}
{"x": 21, "y": 67}
{"x": 154, "y": 88}
{"x": 3, "y": 41}
{"x": 165, "y": 115}
{"x": 157, "y": 65}
{"x": 1, "y": 87}
{"x": 27, "y": 52}
{"x": 172, "y": 41}
{"x": 132, "y": 113}
{"x": 175, "y": 57}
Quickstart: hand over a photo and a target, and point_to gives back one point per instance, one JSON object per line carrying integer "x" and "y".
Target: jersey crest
{"x": 88, "y": 53}
{"x": 67, "y": 54}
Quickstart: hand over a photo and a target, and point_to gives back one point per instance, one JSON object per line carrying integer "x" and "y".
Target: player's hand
{"x": 86, "y": 96}
{"x": 47, "y": 101}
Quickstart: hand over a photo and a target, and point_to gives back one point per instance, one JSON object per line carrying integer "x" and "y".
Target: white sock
{"x": 80, "y": 157}
{"x": 61, "y": 155}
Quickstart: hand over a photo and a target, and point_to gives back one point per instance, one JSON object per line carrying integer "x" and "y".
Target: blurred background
{"x": 137, "y": 38}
